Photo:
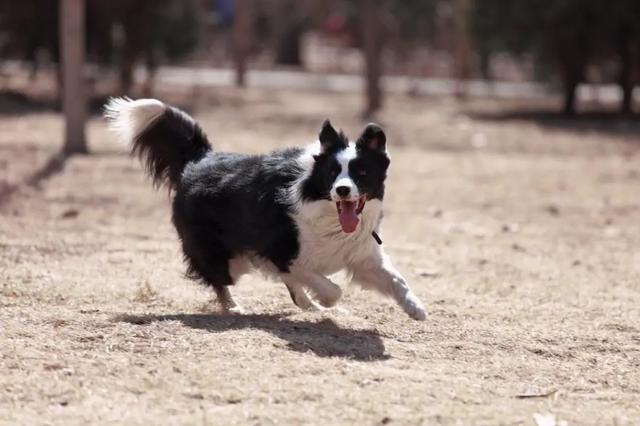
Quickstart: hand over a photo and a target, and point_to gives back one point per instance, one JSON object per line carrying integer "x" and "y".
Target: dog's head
{"x": 348, "y": 174}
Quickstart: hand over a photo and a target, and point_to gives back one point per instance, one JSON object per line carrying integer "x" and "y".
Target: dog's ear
{"x": 373, "y": 138}
{"x": 330, "y": 138}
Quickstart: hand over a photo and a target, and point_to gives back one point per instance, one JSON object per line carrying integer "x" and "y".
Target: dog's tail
{"x": 165, "y": 138}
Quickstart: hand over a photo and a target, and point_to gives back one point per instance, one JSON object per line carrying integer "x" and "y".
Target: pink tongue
{"x": 348, "y": 217}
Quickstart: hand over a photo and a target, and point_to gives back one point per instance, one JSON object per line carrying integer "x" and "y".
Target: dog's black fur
{"x": 227, "y": 204}
{"x": 298, "y": 213}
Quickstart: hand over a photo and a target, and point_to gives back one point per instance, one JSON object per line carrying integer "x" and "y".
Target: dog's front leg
{"x": 378, "y": 273}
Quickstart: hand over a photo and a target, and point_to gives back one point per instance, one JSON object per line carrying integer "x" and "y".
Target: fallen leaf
{"x": 553, "y": 210}
{"x": 70, "y": 214}
{"x": 518, "y": 247}
{"x": 59, "y": 323}
{"x": 510, "y": 227}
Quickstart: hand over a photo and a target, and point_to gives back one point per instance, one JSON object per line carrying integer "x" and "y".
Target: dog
{"x": 296, "y": 215}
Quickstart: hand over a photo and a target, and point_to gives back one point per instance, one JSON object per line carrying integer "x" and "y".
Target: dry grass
{"x": 523, "y": 239}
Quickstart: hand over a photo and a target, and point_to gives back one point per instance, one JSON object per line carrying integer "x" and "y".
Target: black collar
{"x": 376, "y": 237}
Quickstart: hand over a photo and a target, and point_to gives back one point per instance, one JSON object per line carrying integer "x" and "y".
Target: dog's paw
{"x": 414, "y": 307}
{"x": 342, "y": 311}
{"x": 330, "y": 296}
{"x": 418, "y": 314}
{"x": 235, "y": 310}
{"x": 307, "y": 304}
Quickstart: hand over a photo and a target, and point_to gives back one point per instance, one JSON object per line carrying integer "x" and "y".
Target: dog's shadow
{"x": 324, "y": 338}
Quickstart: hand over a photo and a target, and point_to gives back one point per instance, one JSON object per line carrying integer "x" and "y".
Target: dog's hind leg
{"x": 226, "y": 301}
{"x": 218, "y": 272}
{"x": 238, "y": 266}
{"x": 299, "y": 296}
{"x": 325, "y": 291}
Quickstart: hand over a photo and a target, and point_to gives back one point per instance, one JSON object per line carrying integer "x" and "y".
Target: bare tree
{"x": 371, "y": 27}
{"x": 625, "y": 79}
{"x": 241, "y": 38}
{"x": 462, "y": 47}
{"x": 290, "y": 26}
{"x": 72, "y": 48}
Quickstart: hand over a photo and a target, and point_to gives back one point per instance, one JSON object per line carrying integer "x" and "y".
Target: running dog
{"x": 296, "y": 215}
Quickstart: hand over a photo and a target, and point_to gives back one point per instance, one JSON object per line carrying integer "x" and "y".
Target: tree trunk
{"x": 625, "y": 79}
{"x": 289, "y": 50}
{"x": 72, "y": 47}
{"x": 241, "y": 37}
{"x": 126, "y": 74}
{"x": 485, "y": 64}
{"x": 570, "y": 87}
{"x": 289, "y": 34}
{"x": 136, "y": 27}
{"x": 372, "y": 43}
{"x": 462, "y": 47}
{"x": 152, "y": 67}
{"x": 573, "y": 70}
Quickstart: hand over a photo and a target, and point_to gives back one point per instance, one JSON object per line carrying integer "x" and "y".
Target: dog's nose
{"x": 343, "y": 191}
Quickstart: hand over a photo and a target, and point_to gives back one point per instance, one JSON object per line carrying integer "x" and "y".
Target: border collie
{"x": 296, "y": 215}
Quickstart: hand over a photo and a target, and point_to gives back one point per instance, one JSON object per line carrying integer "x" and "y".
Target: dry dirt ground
{"x": 522, "y": 237}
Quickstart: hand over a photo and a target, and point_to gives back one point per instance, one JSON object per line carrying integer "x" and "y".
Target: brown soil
{"x": 521, "y": 236}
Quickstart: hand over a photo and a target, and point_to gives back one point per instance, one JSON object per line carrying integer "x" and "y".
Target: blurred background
{"x": 511, "y": 206}
{"x": 582, "y": 56}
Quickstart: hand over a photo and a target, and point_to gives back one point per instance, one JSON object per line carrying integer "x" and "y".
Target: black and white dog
{"x": 298, "y": 215}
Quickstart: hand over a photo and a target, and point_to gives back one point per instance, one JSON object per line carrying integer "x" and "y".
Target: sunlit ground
{"x": 521, "y": 235}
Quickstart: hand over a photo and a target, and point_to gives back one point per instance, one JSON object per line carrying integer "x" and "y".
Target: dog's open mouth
{"x": 348, "y": 212}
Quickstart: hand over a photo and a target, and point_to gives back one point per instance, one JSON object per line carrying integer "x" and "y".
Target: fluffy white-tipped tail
{"x": 129, "y": 118}
{"x": 165, "y": 138}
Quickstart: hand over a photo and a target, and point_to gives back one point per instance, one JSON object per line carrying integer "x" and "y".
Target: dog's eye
{"x": 362, "y": 172}
{"x": 334, "y": 172}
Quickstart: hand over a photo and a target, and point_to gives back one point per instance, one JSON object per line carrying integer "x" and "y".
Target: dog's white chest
{"x": 324, "y": 247}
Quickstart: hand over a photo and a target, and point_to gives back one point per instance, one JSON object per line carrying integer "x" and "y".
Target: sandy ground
{"x": 522, "y": 238}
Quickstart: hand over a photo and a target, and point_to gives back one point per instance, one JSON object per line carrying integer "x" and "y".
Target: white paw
{"x": 330, "y": 296}
{"x": 341, "y": 310}
{"x": 307, "y": 304}
{"x": 414, "y": 307}
{"x": 418, "y": 314}
{"x": 235, "y": 310}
